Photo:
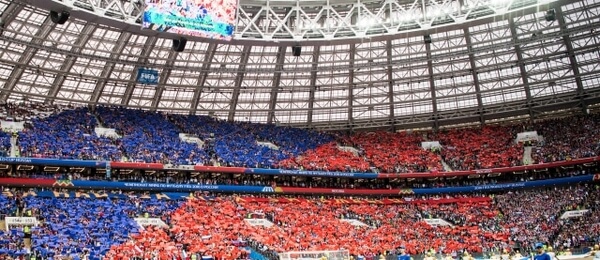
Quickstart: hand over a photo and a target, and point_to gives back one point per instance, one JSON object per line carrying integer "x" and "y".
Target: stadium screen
{"x": 214, "y": 19}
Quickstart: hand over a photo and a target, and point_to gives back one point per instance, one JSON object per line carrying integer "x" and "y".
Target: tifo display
{"x": 201, "y": 18}
{"x": 121, "y": 184}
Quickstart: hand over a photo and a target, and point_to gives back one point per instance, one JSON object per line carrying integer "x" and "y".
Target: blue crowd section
{"x": 67, "y": 135}
{"x": 4, "y": 143}
{"x": 150, "y": 137}
{"x": 236, "y": 144}
{"x": 71, "y": 225}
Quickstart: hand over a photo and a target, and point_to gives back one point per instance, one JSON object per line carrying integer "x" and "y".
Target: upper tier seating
{"x": 154, "y": 137}
{"x": 567, "y": 138}
{"x": 68, "y": 135}
{"x": 480, "y": 148}
{"x": 150, "y": 137}
{"x": 387, "y": 152}
{"x": 236, "y": 144}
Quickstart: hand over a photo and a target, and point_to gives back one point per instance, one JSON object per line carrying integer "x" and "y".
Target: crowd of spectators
{"x": 523, "y": 210}
{"x": 148, "y": 136}
{"x": 26, "y": 111}
{"x": 79, "y": 228}
{"x": 67, "y": 135}
{"x": 585, "y": 229}
{"x": 566, "y": 139}
{"x": 239, "y": 144}
{"x": 480, "y": 148}
{"x": 214, "y": 225}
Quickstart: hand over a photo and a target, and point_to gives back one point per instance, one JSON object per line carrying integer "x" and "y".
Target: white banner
{"x": 574, "y": 213}
{"x": 23, "y": 221}
{"x": 150, "y": 222}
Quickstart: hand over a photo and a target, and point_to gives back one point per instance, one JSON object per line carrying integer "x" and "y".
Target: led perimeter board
{"x": 214, "y": 19}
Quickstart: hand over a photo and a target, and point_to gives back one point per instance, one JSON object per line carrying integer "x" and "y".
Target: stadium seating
{"x": 480, "y": 148}
{"x": 67, "y": 135}
{"x": 236, "y": 144}
{"x": 150, "y": 137}
{"x": 154, "y": 137}
{"x": 567, "y": 138}
{"x": 214, "y": 226}
{"x": 71, "y": 226}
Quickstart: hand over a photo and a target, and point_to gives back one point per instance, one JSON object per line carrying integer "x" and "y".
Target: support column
{"x": 110, "y": 66}
{"x": 143, "y": 59}
{"x": 313, "y": 84}
{"x": 276, "y": 83}
{"x": 436, "y": 125}
{"x": 163, "y": 78}
{"x": 475, "y": 75}
{"x": 390, "y": 75}
{"x": 28, "y": 54}
{"x": 67, "y": 65}
{"x": 574, "y": 66}
{"x": 208, "y": 57}
{"x": 238, "y": 81}
{"x": 521, "y": 62}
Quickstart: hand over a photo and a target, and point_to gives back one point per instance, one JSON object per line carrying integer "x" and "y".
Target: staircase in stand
{"x": 14, "y": 148}
{"x": 527, "y": 160}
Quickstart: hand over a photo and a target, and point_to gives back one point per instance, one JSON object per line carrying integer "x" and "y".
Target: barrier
{"x": 240, "y": 170}
{"x": 163, "y": 187}
{"x": 20, "y": 221}
{"x": 52, "y": 162}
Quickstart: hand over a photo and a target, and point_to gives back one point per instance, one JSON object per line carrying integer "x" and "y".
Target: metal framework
{"x": 320, "y": 20}
{"x": 480, "y": 69}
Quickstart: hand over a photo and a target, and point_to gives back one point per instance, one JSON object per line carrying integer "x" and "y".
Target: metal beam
{"x": 313, "y": 84}
{"x": 351, "y": 86}
{"x": 276, "y": 82}
{"x": 238, "y": 81}
{"x": 521, "y": 62}
{"x": 84, "y": 36}
{"x": 574, "y": 66}
{"x": 26, "y": 57}
{"x": 388, "y": 47}
{"x": 117, "y": 50}
{"x": 11, "y": 12}
{"x": 163, "y": 78}
{"x": 432, "y": 87}
{"x": 475, "y": 75}
{"x": 208, "y": 57}
{"x": 148, "y": 46}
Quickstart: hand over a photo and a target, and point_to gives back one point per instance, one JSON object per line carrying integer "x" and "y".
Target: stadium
{"x": 300, "y": 129}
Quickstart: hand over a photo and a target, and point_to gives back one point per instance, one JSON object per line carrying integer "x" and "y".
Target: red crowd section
{"x": 208, "y": 227}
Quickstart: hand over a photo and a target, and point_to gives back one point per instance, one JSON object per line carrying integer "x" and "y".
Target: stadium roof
{"x": 364, "y": 64}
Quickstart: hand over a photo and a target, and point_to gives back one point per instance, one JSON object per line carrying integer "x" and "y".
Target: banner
{"x": 366, "y": 201}
{"x": 147, "y": 76}
{"x": 146, "y": 186}
{"x": 574, "y": 213}
{"x": 240, "y": 170}
{"x": 20, "y": 221}
{"x": 142, "y": 222}
{"x": 52, "y": 162}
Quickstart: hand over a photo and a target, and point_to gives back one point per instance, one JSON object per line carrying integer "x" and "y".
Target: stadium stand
{"x": 67, "y": 135}
{"x": 562, "y": 141}
{"x": 150, "y": 137}
{"x": 480, "y": 148}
